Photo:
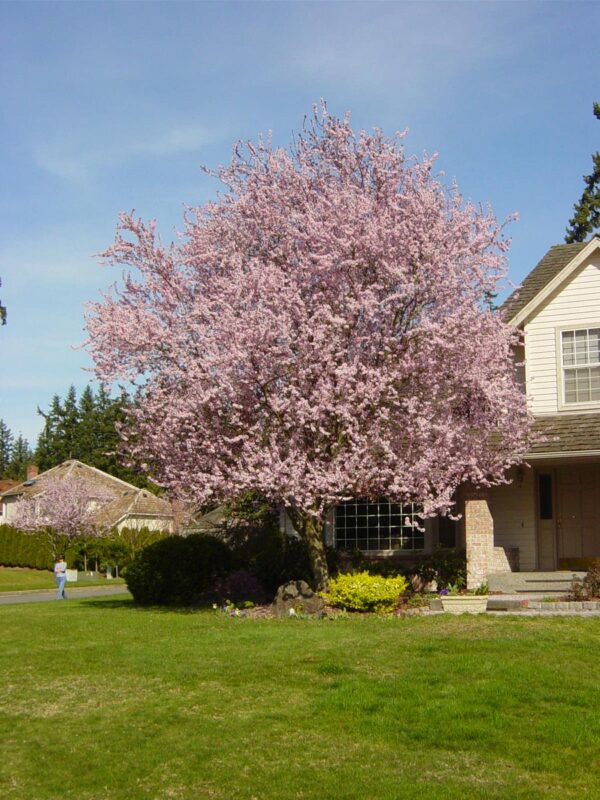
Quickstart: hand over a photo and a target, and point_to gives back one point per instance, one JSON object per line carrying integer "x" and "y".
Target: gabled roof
{"x": 554, "y": 267}
{"x": 96, "y": 477}
{"x": 129, "y": 500}
{"x": 555, "y": 260}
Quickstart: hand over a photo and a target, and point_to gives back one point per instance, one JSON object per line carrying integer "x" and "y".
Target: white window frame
{"x": 562, "y": 403}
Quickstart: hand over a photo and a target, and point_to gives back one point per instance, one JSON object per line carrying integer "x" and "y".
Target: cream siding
{"x": 513, "y": 511}
{"x": 519, "y": 359}
{"x": 9, "y": 509}
{"x": 138, "y": 522}
{"x": 576, "y": 304}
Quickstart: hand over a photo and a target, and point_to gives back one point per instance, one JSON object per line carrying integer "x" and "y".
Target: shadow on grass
{"x": 109, "y": 604}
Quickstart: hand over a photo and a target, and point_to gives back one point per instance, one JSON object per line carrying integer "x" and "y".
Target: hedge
{"x": 18, "y": 549}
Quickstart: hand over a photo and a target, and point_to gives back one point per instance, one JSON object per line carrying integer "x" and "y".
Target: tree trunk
{"x": 312, "y": 530}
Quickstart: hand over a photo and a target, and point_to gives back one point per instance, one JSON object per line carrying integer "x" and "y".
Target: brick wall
{"x": 479, "y": 537}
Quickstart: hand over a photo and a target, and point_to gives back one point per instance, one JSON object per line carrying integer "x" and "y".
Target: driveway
{"x": 43, "y": 595}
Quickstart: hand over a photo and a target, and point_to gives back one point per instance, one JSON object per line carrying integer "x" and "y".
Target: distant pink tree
{"x": 319, "y": 332}
{"x": 66, "y": 507}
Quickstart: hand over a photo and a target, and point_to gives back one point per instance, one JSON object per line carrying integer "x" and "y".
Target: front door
{"x": 546, "y": 522}
{"x": 578, "y": 500}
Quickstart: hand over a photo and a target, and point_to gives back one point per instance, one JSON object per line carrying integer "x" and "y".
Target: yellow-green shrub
{"x": 364, "y": 592}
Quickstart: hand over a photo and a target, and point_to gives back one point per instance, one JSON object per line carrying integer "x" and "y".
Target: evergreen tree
{"x": 68, "y": 426}
{"x": 586, "y": 218}
{"x": 49, "y": 451}
{"x": 2, "y": 311}
{"x": 6, "y": 446}
{"x": 111, "y": 414}
{"x": 21, "y": 456}
{"x": 87, "y": 427}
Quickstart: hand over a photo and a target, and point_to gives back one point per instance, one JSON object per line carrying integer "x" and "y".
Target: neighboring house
{"x": 548, "y": 517}
{"x": 5, "y": 485}
{"x": 131, "y": 508}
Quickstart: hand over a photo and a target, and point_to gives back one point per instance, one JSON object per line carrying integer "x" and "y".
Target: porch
{"x": 538, "y": 531}
{"x": 533, "y": 584}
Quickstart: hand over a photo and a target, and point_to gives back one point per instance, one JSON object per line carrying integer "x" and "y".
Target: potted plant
{"x": 457, "y": 601}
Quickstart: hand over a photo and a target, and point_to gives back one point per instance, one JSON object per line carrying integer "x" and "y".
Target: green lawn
{"x": 17, "y": 579}
{"x": 102, "y": 700}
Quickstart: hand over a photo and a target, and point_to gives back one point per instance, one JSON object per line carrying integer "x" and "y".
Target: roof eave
{"x": 529, "y": 310}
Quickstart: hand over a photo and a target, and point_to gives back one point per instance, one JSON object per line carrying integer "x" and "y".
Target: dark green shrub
{"x": 357, "y": 561}
{"x": 178, "y": 570}
{"x": 258, "y": 548}
{"x": 252, "y": 531}
{"x": 445, "y": 566}
{"x": 238, "y": 587}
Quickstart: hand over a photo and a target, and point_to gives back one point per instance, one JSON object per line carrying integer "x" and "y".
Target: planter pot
{"x": 459, "y": 603}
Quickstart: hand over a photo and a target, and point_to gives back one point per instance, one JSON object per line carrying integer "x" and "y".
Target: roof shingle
{"x": 555, "y": 260}
{"x": 569, "y": 433}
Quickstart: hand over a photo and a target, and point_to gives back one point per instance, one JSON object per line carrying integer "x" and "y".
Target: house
{"x": 131, "y": 507}
{"x": 5, "y": 485}
{"x": 547, "y": 517}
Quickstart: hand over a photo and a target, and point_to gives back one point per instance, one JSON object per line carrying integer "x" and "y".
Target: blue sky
{"x": 112, "y": 106}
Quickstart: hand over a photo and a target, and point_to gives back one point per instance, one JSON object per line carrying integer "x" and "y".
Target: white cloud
{"x": 79, "y": 156}
{"x": 415, "y": 48}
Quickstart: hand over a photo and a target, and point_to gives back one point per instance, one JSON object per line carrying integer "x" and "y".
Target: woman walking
{"x": 60, "y": 574}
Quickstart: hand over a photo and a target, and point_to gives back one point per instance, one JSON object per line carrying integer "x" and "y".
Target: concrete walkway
{"x": 44, "y": 596}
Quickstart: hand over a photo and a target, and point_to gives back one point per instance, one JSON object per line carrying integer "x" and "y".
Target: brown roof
{"x": 67, "y": 469}
{"x": 6, "y": 484}
{"x": 129, "y": 500}
{"x": 568, "y": 433}
{"x": 135, "y": 503}
{"x": 555, "y": 260}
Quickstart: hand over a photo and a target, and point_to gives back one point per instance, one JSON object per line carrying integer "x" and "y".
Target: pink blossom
{"x": 320, "y": 331}
{"x": 67, "y": 506}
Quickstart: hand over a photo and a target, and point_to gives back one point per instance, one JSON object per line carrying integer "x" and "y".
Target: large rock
{"x": 297, "y": 595}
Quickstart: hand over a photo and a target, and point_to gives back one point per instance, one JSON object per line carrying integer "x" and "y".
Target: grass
{"x": 100, "y": 700}
{"x": 18, "y": 579}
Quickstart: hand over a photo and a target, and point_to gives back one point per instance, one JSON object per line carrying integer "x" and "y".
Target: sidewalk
{"x": 45, "y": 595}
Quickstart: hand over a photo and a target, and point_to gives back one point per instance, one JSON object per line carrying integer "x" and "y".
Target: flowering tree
{"x": 65, "y": 507}
{"x": 318, "y": 332}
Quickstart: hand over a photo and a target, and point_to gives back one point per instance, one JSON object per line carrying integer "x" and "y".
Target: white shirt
{"x": 60, "y": 568}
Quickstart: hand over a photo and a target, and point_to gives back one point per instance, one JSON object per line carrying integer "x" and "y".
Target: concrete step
{"x": 548, "y": 583}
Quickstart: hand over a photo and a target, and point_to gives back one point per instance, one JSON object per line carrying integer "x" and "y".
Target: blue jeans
{"x": 60, "y": 582}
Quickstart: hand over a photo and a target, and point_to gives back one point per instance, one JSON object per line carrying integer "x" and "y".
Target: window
{"x": 545, "y": 496}
{"x": 378, "y": 525}
{"x": 581, "y": 365}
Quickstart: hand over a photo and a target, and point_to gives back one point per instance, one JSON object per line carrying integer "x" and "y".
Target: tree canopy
{"x": 2, "y": 310}
{"x": 15, "y": 454}
{"x": 319, "y": 332}
{"x": 586, "y": 218}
